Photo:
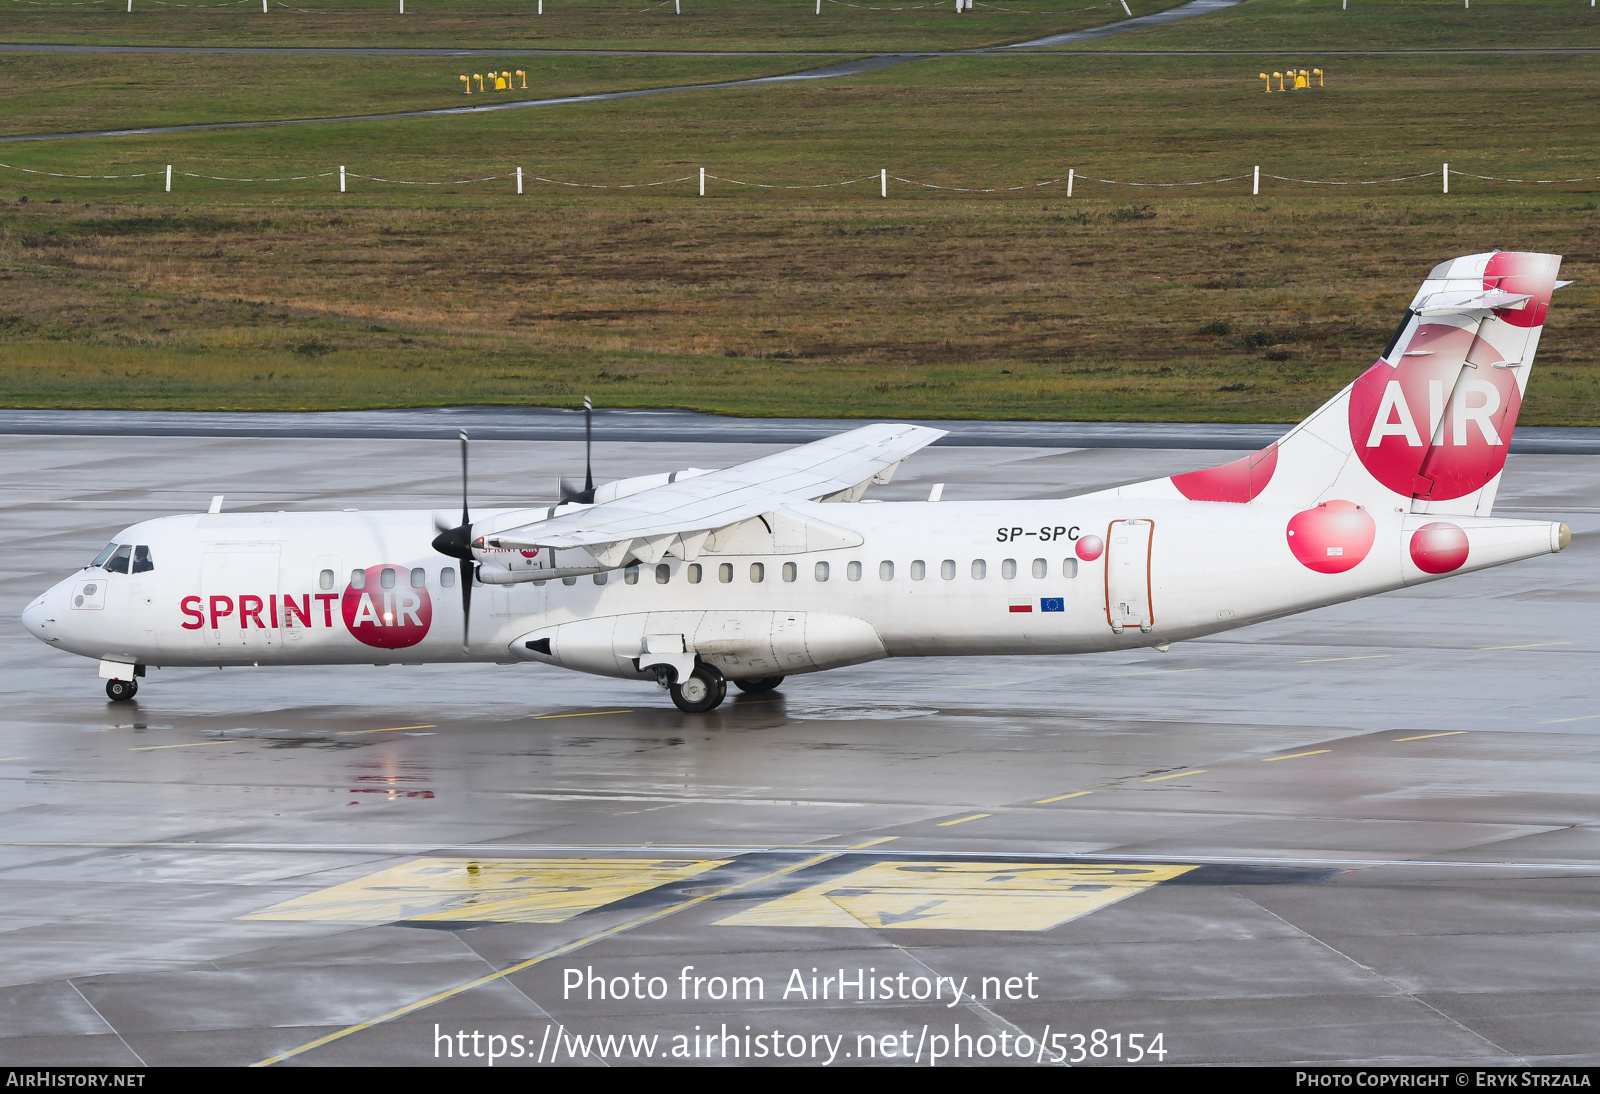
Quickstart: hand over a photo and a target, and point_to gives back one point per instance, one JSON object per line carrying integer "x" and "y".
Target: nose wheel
{"x": 120, "y": 691}
{"x": 703, "y": 690}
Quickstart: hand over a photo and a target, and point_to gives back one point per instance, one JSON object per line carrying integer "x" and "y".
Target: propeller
{"x": 569, "y": 489}
{"x": 457, "y": 543}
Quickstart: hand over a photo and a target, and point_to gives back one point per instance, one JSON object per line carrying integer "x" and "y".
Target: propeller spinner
{"x": 457, "y": 543}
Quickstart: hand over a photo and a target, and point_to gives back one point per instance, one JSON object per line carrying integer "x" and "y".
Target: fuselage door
{"x": 239, "y": 594}
{"x": 1128, "y": 575}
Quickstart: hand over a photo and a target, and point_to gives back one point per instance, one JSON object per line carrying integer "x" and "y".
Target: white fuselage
{"x": 945, "y": 578}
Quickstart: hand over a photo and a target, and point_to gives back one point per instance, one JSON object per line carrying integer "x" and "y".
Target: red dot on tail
{"x": 1439, "y": 548}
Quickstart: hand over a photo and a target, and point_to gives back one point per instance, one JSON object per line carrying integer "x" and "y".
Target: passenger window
{"x": 694, "y": 573}
{"x": 358, "y": 579}
{"x": 386, "y": 578}
{"x": 601, "y": 578}
{"x": 758, "y": 573}
{"x": 1008, "y": 569}
{"x": 980, "y": 569}
{"x": 853, "y": 571}
{"x": 118, "y": 563}
{"x": 141, "y": 560}
{"x": 790, "y": 571}
{"x": 919, "y": 570}
{"x": 100, "y": 559}
{"x": 1069, "y": 567}
{"x": 631, "y": 574}
{"x": 1040, "y": 567}
{"x": 947, "y": 569}
{"x": 663, "y": 573}
{"x": 885, "y": 571}
{"x": 447, "y": 578}
{"x": 725, "y": 572}
{"x": 821, "y": 571}
{"x": 569, "y": 581}
{"x": 325, "y": 578}
{"x": 419, "y": 577}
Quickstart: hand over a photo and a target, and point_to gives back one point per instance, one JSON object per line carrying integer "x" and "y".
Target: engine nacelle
{"x": 508, "y": 566}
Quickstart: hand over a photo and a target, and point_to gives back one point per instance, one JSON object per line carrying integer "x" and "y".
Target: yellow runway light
{"x": 1264, "y": 76}
{"x": 1279, "y": 77}
{"x": 468, "y": 83}
{"x": 1317, "y": 72}
{"x": 524, "y": 77}
{"x": 479, "y": 77}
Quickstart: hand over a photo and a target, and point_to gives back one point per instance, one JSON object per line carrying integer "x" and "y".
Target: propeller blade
{"x": 588, "y": 447}
{"x": 457, "y": 543}
{"x": 468, "y": 573}
{"x": 465, "y": 518}
{"x": 570, "y": 490}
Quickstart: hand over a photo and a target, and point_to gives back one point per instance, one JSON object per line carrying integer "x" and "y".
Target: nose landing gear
{"x": 702, "y": 690}
{"x": 120, "y": 691}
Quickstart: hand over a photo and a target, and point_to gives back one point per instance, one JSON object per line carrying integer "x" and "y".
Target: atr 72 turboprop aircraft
{"x": 778, "y": 566}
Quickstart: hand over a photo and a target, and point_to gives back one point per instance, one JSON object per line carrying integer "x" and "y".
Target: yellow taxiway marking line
{"x": 964, "y": 820}
{"x": 1579, "y": 718}
{"x": 1358, "y": 657}
{"x": 8, "y": 759}
{"x": 1296, "y": 755}
{"x": 1426, "y": 736}
{"x": 873, "y": 842}
{"x": 390, "y": 729}
{"x": 582, "y": 714}
{"x": 1063, "y": 797}
{"x": 1176, "y": 775}
{"x": 189, "y": 744}
{"x": 559, "y": 951}
{"x": 1526, "y": 646}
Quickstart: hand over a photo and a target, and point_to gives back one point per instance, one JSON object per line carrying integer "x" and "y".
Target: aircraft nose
{"x": 36, "y": 618}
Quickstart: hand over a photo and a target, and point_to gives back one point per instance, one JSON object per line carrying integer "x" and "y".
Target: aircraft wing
{"x": 678, "y": 516}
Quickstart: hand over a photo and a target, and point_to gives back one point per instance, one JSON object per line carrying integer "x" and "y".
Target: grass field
{"x": 1310, "y": 25}
{"x": 566, "y": 24}
{"x": 60, "y": 93}
{"x": 1192, "y": 303}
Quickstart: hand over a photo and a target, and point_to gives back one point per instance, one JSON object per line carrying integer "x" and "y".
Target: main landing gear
{"x": 703, "y": 690}
{"x": 120, "y": 691}
{"x": 759, "y": 686}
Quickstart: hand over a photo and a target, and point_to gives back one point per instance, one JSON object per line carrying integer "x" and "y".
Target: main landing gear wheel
{"x": 120, "y": 691}
{"x": 704, "y": 690}
{"x": 759, "y": 686}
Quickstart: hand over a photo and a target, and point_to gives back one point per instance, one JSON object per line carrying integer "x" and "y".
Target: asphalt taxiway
{"x": 1369, "y": 833}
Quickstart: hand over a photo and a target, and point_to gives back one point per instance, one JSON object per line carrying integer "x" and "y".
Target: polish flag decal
{"x": 1022, "y": 605}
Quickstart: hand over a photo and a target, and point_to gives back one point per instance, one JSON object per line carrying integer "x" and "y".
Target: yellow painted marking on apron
{"x": 957, "y": 896}
{"x": 964, "y": 820}
{"x": 1064, "y": 797}
{"x": 1426, "y": 736}
{"x": 1176, "y": 775}
{"x": 391, "y": 729}
{"x": 485, "y": 890}
{"x": 1295, "y": 755}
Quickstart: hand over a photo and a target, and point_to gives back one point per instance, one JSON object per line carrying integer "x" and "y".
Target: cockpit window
{"x": 141, "y": 560}
{"x": 100, "y": 559}
{"x": 118, "y": 562}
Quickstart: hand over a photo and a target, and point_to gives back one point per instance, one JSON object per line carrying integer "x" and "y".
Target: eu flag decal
{"x": 1053, "y": 604}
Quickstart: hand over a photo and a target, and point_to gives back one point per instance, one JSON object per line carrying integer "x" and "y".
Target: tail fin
{"x": 1427, "y": 427}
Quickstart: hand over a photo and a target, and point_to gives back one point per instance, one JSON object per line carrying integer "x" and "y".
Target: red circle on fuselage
{"x": 390, "y": 618}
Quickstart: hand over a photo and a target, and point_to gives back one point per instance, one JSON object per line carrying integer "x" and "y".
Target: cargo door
{"x": 1128, "y": 575}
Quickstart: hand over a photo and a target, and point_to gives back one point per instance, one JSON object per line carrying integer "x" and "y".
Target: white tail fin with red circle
{"x": 1426, "y": 429}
